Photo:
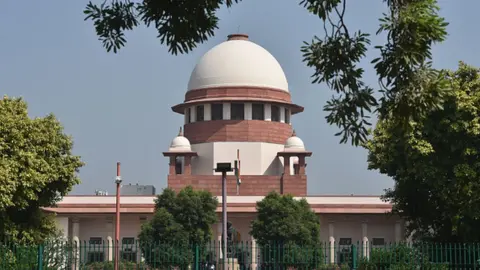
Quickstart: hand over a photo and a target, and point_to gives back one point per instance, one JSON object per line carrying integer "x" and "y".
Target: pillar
{"x": 219, "y": 242}
{"x": 226, "y": 111}
{"x": 286, "y": 165}
{"x": 254, "y": 253}
{"x": 398, "y": 232}
{"x": 267, "y": 109}
{"x": 62, "y": 226}
{"x": 207, "y": 112}
{"x": 282, "y": 114}
{"x": 110, "y": 233}
{"x": 301, "y": 165}
{"x": 365, "y": 245}
{"x": 76, "y": 243}
{"x": 171, "y": 165}
{"x": 187, "y": 165}
{"x": 331, "y": 242}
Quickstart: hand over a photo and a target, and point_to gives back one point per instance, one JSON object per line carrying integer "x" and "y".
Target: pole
{"x": 224, "y": 218}
{"x": 118, "y": 181}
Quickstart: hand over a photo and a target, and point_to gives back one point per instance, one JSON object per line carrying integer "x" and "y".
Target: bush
{"x": 110, "y": 266}
{"x": 398, "y": 257}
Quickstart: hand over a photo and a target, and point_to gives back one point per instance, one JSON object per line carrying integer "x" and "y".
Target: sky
{"x": 117, "y": 106}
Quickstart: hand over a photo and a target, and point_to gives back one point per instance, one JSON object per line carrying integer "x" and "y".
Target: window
{"x": 275, "y": 113}
{"x": 287, "y": 116}
{"x": 237, "y": 111}
{"x": 96, "y": 256}
{"x": 378, "y": 242}
{"x": 344, "y": 253}
{"x": 178, "y": 165}
{"x": 217, "y": 111}
{"x": 189, "y": 112}
{"x": 345, "y": 241}
{"x": 129, "y": 251}
{"x": 128, "y": 241}
{"x": 258, "y": 112}
{"x": 95, "y": 241}
{"x": 95, "y": 250}
{"x": 199, "y": 113}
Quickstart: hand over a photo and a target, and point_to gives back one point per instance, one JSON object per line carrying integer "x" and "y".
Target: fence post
{"x": 354, "y": 256}
{"x": 197, "y": 259}
{"x": 40, "y": 257}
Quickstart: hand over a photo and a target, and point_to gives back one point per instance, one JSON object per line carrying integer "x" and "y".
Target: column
{"x": 248, "y": 111}
{"x": 110, "y": 233}
{"x": 301, "y": 164}
{"x": 226, "y": 111}
{"x": 254, "y": 253}
{"x": 282, "y": 114}
{"x": 331, "y": 242}
{"x": 193, "y": 114}
{"x": 365, "y": 252}
{"x": 286, "y": 165}
{"x": 62, "y": 225}
{"x": 76, "y": 243}
{"x": 219, "y": 242}
{"x": 171, "y": 165}
{"x": 187, "y": 165}
{"x": 207, "y": 112}
{"x": 268, "y": 112}
{"x": 398, "y": 232}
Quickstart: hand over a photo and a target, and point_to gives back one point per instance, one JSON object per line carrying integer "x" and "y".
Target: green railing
{"x": 241, "y": 256}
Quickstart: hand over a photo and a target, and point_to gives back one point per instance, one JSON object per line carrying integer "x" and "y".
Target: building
{"x": 141, "y": 190}
{"x": 237, "y": 104}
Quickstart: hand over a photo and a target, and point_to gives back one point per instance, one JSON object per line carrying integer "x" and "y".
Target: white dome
{"x": 180, "y": 144}
{"x": 238, "y": 63}
{"x": 294, "y": 143}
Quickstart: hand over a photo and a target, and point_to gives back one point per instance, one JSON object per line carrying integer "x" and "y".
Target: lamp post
{"x": 224, "y": 168}
{"x": 118, "y": 181}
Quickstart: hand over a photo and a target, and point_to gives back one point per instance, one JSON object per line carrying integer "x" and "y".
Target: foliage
{"x": 180, "y": 25}
{"x": 434, "y": 162}
{"x": 36, "y": 168}
{"x": 56, "y": 252}
{"x": 184, "y": 219}
{"x": 399, "y": 257}
{"x": 412, "y": 26}
{"x": 110, "y": 265}
{"x": 289, "y": 228}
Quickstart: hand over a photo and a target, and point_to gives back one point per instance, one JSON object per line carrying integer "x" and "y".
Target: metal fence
{"x": 241, "y": 256}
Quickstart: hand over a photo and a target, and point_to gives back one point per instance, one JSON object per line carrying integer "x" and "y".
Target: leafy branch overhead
{"x": 181, "y": 24}
{"x": 404, "y": 72}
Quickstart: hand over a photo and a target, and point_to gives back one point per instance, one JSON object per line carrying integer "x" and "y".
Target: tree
{"x": 36, "y": 168}
{"x": 180, "y": 221}
{"x": 287, "y": 227}
{"x": 412, "y": 26}
{"x": 434, "y": 162}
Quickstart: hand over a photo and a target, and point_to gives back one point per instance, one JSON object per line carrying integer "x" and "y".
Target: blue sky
{"x": 117, "y": 107}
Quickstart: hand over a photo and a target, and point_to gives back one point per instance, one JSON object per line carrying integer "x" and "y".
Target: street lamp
{"x": 118, "y": 181}
{"x": 224, "y": 168}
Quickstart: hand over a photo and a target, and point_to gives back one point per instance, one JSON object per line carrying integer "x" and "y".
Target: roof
{"x": 238, "y": 63}
{"x": 240, "y": 204}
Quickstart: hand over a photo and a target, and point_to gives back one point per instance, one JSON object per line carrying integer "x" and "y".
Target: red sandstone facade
{"x": 268, "y": 131}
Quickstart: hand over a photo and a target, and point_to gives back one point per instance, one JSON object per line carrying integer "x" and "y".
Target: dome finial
{"x": 294, "y": 134}
{"x": 180, "y": 132}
